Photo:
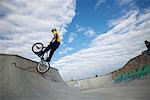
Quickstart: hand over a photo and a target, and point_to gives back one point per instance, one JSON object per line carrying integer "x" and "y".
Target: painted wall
{"x": 91, "y": 83}
{"x": 138, "y": 67}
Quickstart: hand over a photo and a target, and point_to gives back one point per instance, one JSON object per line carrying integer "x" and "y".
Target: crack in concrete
{"x": 1, "y": 69}
{"x": 29, "y": 68}
{"x": 33, "y": 69}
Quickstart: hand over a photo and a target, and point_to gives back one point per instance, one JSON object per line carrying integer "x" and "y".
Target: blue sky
{"x": 95, "y": 15}
{"x": 98, "y": 36}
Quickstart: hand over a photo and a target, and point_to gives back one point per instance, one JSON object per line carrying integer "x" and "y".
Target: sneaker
{"x": 40, "y": 54}
{"x": 47, "y": 60}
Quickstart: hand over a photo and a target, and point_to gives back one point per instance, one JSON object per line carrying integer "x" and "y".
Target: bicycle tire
{"x": 43, "y": 67}
{"x": 38, "y": 46}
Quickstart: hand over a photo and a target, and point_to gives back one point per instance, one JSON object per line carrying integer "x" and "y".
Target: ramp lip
{"x": 22, "y": 58}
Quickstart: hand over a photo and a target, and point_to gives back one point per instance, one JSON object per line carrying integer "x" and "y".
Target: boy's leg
{"x": 53, "y": 49}
{"x": 50, "y": 55}
{"x": 46, "y": 49}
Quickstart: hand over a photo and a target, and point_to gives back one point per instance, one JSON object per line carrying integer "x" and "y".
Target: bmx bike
{"x": 43, "y": 66}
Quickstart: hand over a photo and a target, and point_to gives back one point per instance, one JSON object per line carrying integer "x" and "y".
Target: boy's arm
{"x": 54, "y": 38}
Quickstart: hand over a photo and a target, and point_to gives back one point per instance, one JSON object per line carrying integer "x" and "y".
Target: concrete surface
{"x": 138, "y": 66}
{"x": 91, "y": 83}
{"x": 128, "y": 72}
{"x": 104, "y": 89}
{"x": 135, "y": 86}
{"x": 19, "y": 80}
{"x": 121, "y": 93}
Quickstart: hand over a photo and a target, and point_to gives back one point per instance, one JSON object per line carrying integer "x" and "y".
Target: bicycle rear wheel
{"x": 43, "y": 66}
{"x": 37, "y": 47}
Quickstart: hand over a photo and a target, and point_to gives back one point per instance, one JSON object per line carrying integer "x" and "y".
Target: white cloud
{"x": 98, "y": 3}
{"x": 65, "y": 50}
{"x": 72, "y": 37}
{"x": 24, "y": 22}
{"x": 110, "y": 50}
{"x": 114, "y": 22}
{"x": 80, "y": 28}
{"x": 90, "y": 32}
{"x": 87, "y": 31}
{"x": 124, "y": 2}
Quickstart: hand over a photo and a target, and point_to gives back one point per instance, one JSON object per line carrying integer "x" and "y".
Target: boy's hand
{"x": 50, "y": 42}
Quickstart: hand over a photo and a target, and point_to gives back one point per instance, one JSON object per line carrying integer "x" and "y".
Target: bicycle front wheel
{"x": 37, "y": 47}
{"x": 43, "y": 67}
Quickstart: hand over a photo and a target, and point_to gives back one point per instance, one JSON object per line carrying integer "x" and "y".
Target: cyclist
{"x": 54, "y": 44}
{"x": 147, "y": 43}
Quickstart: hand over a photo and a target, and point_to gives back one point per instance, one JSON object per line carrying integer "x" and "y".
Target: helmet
{"x": 146, "y": 41}
{"x": 54, "y": 29}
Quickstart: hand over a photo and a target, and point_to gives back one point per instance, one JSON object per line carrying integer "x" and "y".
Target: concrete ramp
{"x": 136, "y": 69}
{"x": 92, "y": 83}
{"x": 131, "y": 82}
{"x": 19, "y": 80}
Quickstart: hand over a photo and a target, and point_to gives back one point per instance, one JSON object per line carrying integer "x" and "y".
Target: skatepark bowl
{"x": 19, "y": 80}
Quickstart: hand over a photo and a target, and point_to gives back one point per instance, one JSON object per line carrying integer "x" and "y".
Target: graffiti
{"x": 137, "y": 68}
{"x": 139, "y": 73}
